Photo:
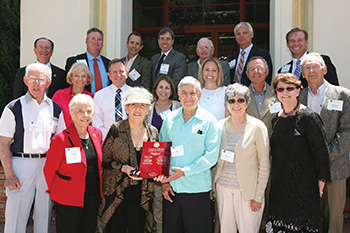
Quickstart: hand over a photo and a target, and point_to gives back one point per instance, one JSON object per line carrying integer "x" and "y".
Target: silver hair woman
{"x": 73, "y": 170}
{"x": 242, "y": 170}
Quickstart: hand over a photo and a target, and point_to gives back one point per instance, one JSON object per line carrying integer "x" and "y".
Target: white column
{"x": 281, "y": 15}
{"x": 119, "y": 26}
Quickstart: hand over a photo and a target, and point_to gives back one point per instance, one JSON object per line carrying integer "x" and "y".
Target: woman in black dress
{"x": 300, "y": 162}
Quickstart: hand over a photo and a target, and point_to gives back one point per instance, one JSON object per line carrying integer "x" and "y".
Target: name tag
{"x": 232, "y": 63}
{"x": 83, "y": 61}
{"x": 177, "y": 151}
{"x": 211, "y": 99}
{"x": 134, "y": 75}
{"x": 227, "y": 155}
{"x": 164, "y": 114}
{"x": 36, "y": 127}
{"x": 285, "y": 69}
{"x": 73, "y": 155}
{"x": 164, "y": 68}
{"x": 275, "y": 107}
{"x": 336, "y": 105}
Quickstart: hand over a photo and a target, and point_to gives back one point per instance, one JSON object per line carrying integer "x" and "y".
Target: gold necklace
{"x": 137, "y": 142}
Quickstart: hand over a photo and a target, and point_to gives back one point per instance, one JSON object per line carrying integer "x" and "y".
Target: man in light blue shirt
{"x": 195, "y": 139}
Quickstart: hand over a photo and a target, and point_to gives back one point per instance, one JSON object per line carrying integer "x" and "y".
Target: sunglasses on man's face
{"x": 232, "y": 101}
{"x": 289, "y": 89}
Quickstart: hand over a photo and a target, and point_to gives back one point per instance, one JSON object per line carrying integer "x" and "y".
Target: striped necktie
{"x": 118, "y": 106}
{"x": 297, "y": 71}
{"x": 238, "y": 75}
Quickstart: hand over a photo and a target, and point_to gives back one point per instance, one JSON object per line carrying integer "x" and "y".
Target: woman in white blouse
{"x": 211, "y": 78}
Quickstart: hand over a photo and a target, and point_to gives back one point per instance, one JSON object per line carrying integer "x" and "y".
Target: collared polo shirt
{"x": 200, "y": 137}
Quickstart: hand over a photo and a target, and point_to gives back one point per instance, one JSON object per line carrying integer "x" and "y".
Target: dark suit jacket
{"x": 177, "y": 66}
{"x": 337, "y": 127}
{"x": 255, "y": 51}
{"x": 66, "y": 182}
{"x": 144, "y": 68}
{"x": 58, "y": 81}
{"x": 71, "y": 60}
{"x": 331, "y": 75}
{"x": 193, "y": 70}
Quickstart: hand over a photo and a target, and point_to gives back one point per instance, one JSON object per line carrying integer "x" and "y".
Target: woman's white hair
{"x": 80, "y": 99}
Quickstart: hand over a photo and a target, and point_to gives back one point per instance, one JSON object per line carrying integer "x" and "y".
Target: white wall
{"x": 280, "y": 24}
{"x": 64, "y": 22}
{"x": 331, "y": 34}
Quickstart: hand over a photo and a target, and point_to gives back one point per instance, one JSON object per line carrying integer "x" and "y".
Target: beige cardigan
{"x": 251, "y": 157}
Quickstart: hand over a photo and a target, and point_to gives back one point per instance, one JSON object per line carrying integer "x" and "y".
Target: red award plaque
{"x": 155, "y": 159}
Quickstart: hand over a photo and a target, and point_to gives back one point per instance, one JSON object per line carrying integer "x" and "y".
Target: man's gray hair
{"x": 258, "y": 58}
{"x": 43, "y": 67}
{"x": 189, "y": 80}
{"x": 243, "y": 24}
{"x": 80, "y": 99}
{"x": 206, "y": 39}
{"x": 312, "y": 57}
{"x": 237, "y": 89}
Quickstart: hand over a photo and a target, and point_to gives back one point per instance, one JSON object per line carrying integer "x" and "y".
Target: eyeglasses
{"x": 232, "y": 101}
{"x": 203, "y": 47}
{"x": 309, "y": 68}
{"x": 32, "y": 79}
{"x": 289, "y": 89}
{"x": 260, "y": 69}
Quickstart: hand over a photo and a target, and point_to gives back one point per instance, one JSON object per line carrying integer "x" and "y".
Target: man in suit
{"x": 205, "y": 49}
{"x": 98, "y": 64}
{"x": 140, "y": 69}
{"x": 238, "y": 61}
{"x": 169, "y": 61}
{"x": 261, "y": 93}
{"x": 109, "y": 102}
{"x": 333, "y": 104}
{"x": 43, "y": 49}
{"x": 297, "y": 40}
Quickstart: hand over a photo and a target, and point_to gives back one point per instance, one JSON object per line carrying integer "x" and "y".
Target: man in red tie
{"x": 97, "y": 63}
{"x": 238, "y": 61}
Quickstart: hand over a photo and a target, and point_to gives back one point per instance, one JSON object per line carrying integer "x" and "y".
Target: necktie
{"x": 159, "y": 65}
{"x": 118, "y": 106}
{"x": 239, "y": 69}
{"x": 297, "y": 71}
{"x": 98, "y": 80}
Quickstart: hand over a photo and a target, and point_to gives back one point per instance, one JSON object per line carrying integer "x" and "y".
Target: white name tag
{"x": 164, "y": 114}
{"x": 275, "y": 107}
{"x": 285, "y": 69}
{"x": 232, "y": 63}
{"x": 83, "y": 61}
{"x": 336, "y": 105}
{"x": 36, "y": 127}
{"x": 227, "y": 155}
{"x": 177, "y": 151}
{"x": 164, "y": 68}
{"x": 134, "y": 75}
{"x": 73, "y": 155}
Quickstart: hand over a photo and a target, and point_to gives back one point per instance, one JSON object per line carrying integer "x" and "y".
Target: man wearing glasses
{"x": 27, "y": 125}
{"x": 205, "y": 48}
{"x": 263, "y": 100}
{"x": 333, "y": 104}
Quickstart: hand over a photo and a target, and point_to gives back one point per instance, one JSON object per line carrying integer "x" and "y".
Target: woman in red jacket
{"x": 73, "y": 170}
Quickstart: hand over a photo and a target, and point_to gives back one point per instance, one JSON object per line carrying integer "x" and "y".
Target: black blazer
{"x": 331, "y": 75}
{"x": 58, "y": 82}
{"x": 71, "y": 60}
{"x": 255, "y": 51}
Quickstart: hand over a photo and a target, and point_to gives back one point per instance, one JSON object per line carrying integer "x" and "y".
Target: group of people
{"x": 241, "y": 139}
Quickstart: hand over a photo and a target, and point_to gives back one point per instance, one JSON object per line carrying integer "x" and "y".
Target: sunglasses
{"x": 289, "y": 89}
{"x": 232, "y": 101}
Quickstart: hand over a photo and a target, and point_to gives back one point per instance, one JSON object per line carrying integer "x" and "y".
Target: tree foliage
{"x": 9, "y": 47}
